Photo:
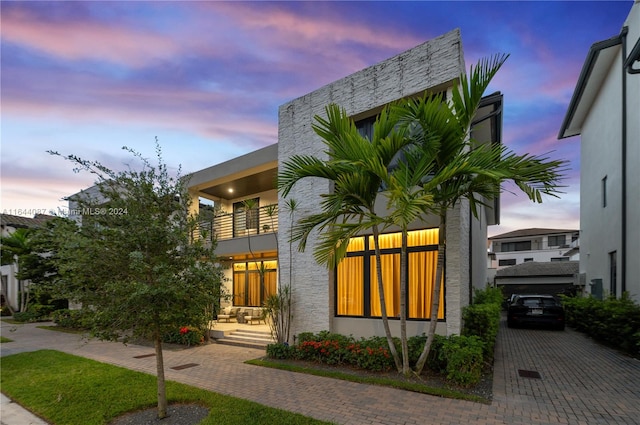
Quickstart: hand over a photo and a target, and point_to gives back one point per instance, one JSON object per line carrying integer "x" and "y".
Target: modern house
{"x": 11, "y": 285}
{"x": 253, "y": 236}
{"x": 537, "y": 245}
{"x": 604, "y": 111}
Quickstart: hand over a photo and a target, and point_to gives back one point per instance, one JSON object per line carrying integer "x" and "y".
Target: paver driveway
{"x": 581, "y": 381}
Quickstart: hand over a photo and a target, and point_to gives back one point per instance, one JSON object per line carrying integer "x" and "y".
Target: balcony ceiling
{"x": 245, "y": 186}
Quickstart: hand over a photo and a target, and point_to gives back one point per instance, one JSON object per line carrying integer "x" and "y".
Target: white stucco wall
{"x": 600, "y": 158}
{"x": 435, "y": 63}
{"x": 633, "y": 162}
{"x": 601, "y": 155}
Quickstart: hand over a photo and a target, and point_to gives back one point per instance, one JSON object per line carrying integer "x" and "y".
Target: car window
{"x": 531, "y": 302}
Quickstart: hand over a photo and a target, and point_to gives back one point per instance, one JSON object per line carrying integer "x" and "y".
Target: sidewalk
{"x": 13, "y": 414}
{"x": 581, "y": 382}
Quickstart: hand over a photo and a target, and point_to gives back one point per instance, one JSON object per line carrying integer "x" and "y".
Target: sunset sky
{"x": 206, "y": 78}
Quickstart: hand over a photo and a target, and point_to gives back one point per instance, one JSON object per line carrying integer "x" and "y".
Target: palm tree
{"x": 354, "y": 169}
{"x": 462, "y": 168}
{"x": 407, "y": 201}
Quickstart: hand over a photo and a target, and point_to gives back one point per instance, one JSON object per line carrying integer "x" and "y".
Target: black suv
{"x": 535, "y": 310}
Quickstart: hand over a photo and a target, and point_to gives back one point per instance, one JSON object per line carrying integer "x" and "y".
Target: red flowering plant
{"x": 329, "y": 348}
{"x": 185, "y": 335}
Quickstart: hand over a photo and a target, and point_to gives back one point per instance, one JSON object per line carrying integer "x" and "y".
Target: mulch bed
{"x": 179, "y": 414}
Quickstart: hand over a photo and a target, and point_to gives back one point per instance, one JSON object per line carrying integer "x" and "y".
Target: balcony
{"x": 226, "y": 226}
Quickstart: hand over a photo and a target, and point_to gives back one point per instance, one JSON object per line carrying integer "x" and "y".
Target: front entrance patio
{"x": 240, "y": 334}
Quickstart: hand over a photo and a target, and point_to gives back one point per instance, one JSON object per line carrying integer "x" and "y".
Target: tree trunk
{"x": 162, "y": 393}
{"x": 383, "y": 304}
{"x": 406, "y": 369}
{"x": 435, "y": 300}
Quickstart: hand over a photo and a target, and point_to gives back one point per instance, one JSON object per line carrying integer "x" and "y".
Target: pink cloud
{"x": 78, "y": 40}
{"x": 295, "y": 29}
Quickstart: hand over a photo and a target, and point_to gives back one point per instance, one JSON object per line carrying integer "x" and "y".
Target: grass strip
{"x": 65, "y": 389}
{"x": 5, "y": 339}
{"x": 371, "y": 380}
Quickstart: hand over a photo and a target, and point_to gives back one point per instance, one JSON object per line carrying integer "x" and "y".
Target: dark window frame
{"x": 556, "y": 240}
{"x": 368, "y": 253}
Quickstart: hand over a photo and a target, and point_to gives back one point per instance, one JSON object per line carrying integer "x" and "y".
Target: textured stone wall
{"x": 434, "y": 64}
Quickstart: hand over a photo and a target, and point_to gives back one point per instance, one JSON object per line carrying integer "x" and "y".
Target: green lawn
{"x": 4, "y": 339}
{"x": 68, "y": 390}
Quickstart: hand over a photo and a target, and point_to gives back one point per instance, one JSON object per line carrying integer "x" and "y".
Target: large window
{"x": 558, "y": 240}
{"x": 357, "y": 284}
{"x": 253, "y": 282}
{"x": 515, "y": 246}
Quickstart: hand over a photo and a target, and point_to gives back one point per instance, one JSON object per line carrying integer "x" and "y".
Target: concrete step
{"x": 245, "y": 338}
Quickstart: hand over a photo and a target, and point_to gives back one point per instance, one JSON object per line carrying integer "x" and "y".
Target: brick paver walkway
{"x": 581, "y": 382}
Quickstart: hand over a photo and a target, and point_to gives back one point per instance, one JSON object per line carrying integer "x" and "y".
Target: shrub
{"x": 464, "y": 359}
{"x": 483, "y": 321}
{"x": 72, "y": 319}
{"x": 370, "y": 354}
{"x": 186, "y": 335}
{"x": 25, "y": 316}
{"x": 488, "y": 295}
{"x": 482, "y": 318}
{"x": 614, "y": 321}
{"x": 335, "y": 349}
{"x": 325, "y": 351}
{"x": 434, "y": 360}
{"x": 280, "y": 351}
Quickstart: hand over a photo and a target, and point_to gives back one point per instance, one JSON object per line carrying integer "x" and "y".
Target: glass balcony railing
{"x": 239, "y": 224}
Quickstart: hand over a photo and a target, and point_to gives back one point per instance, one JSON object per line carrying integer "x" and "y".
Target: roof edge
{"x": 585, "y": 73}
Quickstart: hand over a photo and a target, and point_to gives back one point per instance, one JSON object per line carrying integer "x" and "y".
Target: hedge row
{"x": 482, "y": 319}
{"x": 613, "y": 321}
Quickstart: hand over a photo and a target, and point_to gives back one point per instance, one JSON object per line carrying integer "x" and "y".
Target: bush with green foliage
{"x": 280, "y": 351}
{"x": 483, "y": 321}
{"x": 464, "y": 359}
{"x": 488, "y": 295}
{"x": 72, "y": 319}
{"x": 482, "y": 318}
{"x": 25, "y": 316}
{"x": 371, "y": 354}
{"x": 185, "y": 335}
{"x": 459, "y": 357}
{"x": 614, "y": 321}
{"x": 434, "y": 362}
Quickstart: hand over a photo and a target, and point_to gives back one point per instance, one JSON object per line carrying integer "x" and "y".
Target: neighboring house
{"x": 604, "y": 111}
{"x": 11, "y": 286}
{"x": 344, "y": 300}
{"x": 525, "y": 245}
{"x": 552, "y": 278}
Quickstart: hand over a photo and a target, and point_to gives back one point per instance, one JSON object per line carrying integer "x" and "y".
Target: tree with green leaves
{"x": 133, "y": 264}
